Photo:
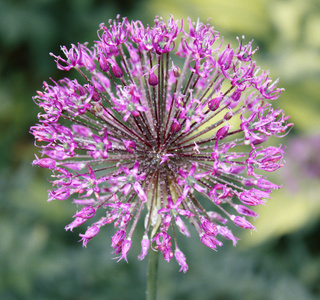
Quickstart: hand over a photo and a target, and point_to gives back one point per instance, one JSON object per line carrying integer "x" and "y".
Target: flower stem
{"x": 152, "y": 275}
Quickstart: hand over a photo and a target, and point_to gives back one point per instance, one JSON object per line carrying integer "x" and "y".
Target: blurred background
{"x": 39, "y": 260}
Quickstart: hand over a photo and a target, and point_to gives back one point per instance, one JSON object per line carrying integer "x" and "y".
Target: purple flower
{"x": 181, "y": 259}
{"x": 89, "y": 234}
{"x": 163, "y": 244}
{"x": 125, "y": 247}
{"x": 144, "y": 137}
{"x": 145, "y": 244}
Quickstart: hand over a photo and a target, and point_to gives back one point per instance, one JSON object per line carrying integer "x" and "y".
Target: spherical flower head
{"x": 147, "y": 140}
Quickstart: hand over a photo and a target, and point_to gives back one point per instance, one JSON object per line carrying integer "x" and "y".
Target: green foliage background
{"x": 39, "y": 260}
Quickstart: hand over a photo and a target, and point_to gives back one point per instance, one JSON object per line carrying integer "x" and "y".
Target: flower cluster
{"x": 145, "y": 137}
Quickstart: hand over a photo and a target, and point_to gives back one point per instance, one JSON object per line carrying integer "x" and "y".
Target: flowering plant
{"x": 143, "y": 137}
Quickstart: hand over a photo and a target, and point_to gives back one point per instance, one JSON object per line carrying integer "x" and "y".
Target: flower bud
{"x": 222, "y": 132}
{"x": 116, "y": 70}
{"x": 153, "y": 79}
{"x": 181, "y": 259}
{"x": 145, "y": 244}
{"x": 176, "y": 71}
{"x": 214, "y": 103}
{"x": 103, "y": 63}
{"x": 241, "y": 222}
{"x": 243, "y": 210}
{"x": 47, "y": 163}
{"x": 176, "y": 126}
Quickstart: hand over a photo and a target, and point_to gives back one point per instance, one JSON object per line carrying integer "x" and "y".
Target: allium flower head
{"x": 143, "y": 137}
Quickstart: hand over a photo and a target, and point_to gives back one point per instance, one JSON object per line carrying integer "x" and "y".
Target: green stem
{"x": 152, "y": 275}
